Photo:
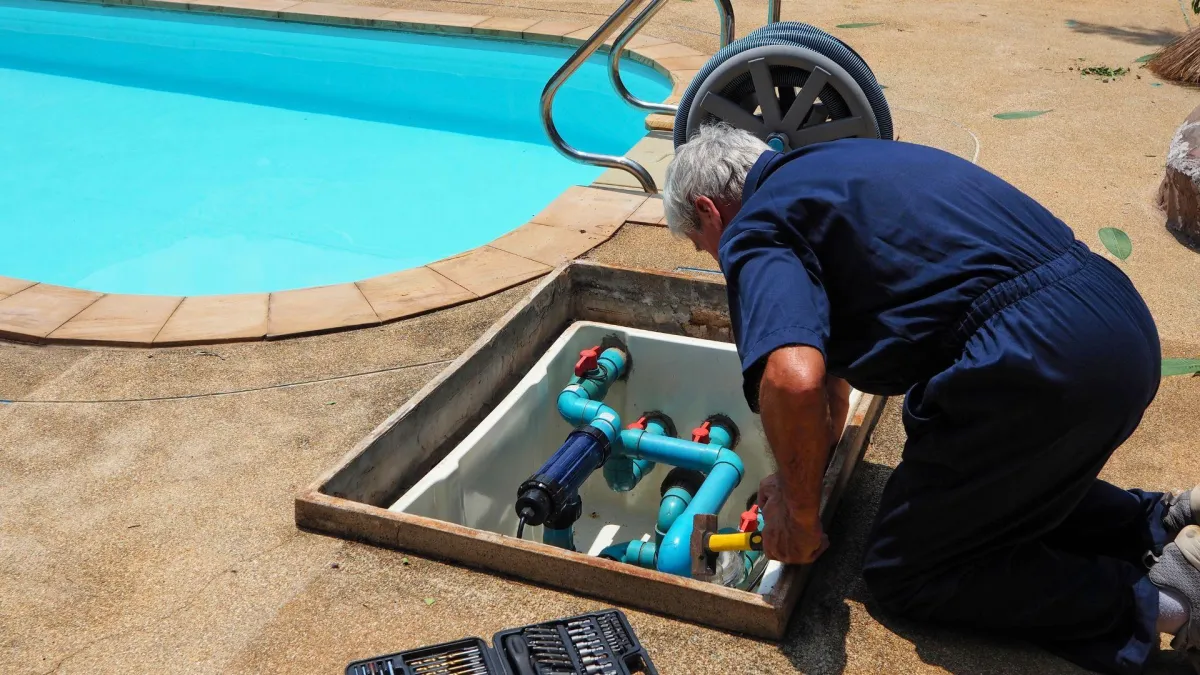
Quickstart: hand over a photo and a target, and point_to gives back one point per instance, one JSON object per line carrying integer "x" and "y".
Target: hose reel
{"x": 791, "y": 85}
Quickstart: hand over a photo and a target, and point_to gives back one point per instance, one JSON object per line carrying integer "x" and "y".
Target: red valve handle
{"x": 589, "y": 359}
{"x": 700, "y": 434}
{"x": 639, "y": 424}
{"x": 749, "y": 520}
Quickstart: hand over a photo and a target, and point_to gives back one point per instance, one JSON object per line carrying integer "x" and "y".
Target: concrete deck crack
{"x": 191, "y": 600}
{"x": 231, "y": 392}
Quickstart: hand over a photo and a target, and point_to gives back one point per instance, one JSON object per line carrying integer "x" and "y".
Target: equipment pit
{"x": 442, "y": 475}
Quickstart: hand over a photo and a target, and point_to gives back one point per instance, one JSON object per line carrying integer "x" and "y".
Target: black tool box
{"x": 600, "y": 643}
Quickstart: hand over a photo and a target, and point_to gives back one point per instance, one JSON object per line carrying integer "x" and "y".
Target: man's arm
{"x": 795, "y": 411}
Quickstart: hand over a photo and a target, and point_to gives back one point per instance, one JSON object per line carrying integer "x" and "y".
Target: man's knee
{"x": 892, "y": 593}
{"x": 902, "y": 588}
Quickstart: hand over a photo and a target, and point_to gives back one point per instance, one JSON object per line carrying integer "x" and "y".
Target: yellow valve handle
{"x": 740, "y": 541}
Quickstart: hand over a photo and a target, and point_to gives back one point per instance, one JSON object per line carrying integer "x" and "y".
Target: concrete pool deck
{"x": 139, "y": 535}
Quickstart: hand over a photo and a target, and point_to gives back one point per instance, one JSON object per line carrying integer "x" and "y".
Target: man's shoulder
{"x": 870, "y": 155}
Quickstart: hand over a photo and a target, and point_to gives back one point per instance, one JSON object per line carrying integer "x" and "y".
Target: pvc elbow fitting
{"x": 623, "y": 474}
{"x": 577, "y": 410}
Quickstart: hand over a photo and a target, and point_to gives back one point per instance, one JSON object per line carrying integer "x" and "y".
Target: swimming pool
{"x": 165, "y": 153}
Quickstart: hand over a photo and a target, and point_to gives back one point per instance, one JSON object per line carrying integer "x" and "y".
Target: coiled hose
{"x": 793, "y": 33}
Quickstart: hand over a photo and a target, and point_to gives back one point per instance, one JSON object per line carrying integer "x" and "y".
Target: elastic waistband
{"x": 1013, "y": 290}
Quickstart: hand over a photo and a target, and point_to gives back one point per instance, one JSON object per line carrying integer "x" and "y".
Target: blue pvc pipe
{"x": 717, "y": 435}
{"x": 560, "y": 538}
{"x": 610, "y": 367}
{"x": 615, "y": 552}
{"x": 640, "y": 553}
{"x": 624, "y": 473}
{"x": 674, "y": 555}
{"x": 668, "y": 450}
{"x": 581, "y": 402}
{"x": 577, "y": 410}
{"x": 674, "y": 502}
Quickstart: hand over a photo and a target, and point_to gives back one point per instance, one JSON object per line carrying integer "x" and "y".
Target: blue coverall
{"x": 1025, "y": 360}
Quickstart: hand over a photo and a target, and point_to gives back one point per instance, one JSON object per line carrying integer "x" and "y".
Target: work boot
{"x": 1181, "y": 510}
{"x": 1178, "y": 570}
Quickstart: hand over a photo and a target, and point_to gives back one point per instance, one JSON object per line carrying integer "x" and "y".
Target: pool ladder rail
{"x": 589, "y": 47}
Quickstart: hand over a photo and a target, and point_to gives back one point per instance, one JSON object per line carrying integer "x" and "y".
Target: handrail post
{"x": 614, "y": 61}
{"x": 725, "y": 10}
{"x": 773, "y": 10}
{"x": 577, "y": 59}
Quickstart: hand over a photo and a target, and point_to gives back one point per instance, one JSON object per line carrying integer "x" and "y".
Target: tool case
{"x": 599, "y": 643}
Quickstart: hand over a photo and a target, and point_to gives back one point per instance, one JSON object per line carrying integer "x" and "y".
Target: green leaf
{"x": 1020, "y": 114}
{"x": 1180, "y": 367}
{"x": 1146, "y": 59}
{"x": 860, "y": 25}
{"x": 1116, "y": 241}
{"x": 429, "y": 601}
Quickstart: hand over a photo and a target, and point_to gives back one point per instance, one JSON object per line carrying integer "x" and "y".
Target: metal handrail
{"x": 589, "y": 47}
{"x": 614, "y": 61}
{"x": 724, "y": 9}
{"x": 577, "y": 59}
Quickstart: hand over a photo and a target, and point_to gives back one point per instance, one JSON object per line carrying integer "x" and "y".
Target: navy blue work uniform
{"x": 1025, "y": 360}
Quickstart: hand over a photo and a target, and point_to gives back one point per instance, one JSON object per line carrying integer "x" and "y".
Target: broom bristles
{"x": 1180, "y": 60}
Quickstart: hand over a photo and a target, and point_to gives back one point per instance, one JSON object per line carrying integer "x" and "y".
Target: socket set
{"x": 600, "y": 643}
{"x": 471, "y": 656}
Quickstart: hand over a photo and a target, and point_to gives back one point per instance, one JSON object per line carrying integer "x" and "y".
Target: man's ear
{"x": 709, "y": 214}
{"x": 707, "y": 207}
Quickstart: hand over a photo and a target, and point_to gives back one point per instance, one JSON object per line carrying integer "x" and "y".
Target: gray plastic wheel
{"x": 846, "y": 84}
{"x": 787, "y": 95}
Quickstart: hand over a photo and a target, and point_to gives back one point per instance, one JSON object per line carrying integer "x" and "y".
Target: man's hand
{"x": 788, "y": 537}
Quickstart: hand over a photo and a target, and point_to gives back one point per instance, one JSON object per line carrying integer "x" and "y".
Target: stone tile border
{"x": 577, "y": 221}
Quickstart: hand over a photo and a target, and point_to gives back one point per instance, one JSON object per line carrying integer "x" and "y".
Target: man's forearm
{"x": 796, "y": 419}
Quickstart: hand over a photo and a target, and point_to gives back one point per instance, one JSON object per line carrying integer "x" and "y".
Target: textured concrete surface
{"x": 136, "y": 536}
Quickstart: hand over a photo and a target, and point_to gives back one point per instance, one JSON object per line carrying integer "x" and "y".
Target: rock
{"x": 1179, "y": 193}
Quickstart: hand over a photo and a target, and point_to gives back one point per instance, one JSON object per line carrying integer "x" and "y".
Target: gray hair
{"x": 713, "y": 164}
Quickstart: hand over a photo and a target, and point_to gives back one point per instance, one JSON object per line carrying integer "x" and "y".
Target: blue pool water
{"x": 166, "y": 153}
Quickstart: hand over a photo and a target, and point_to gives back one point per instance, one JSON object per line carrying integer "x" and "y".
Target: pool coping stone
{"x": 134, "y": 320}
{"x": 575, "y": 222}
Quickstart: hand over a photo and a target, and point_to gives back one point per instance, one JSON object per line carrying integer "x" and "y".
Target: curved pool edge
{"x": 577, "y": 221}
